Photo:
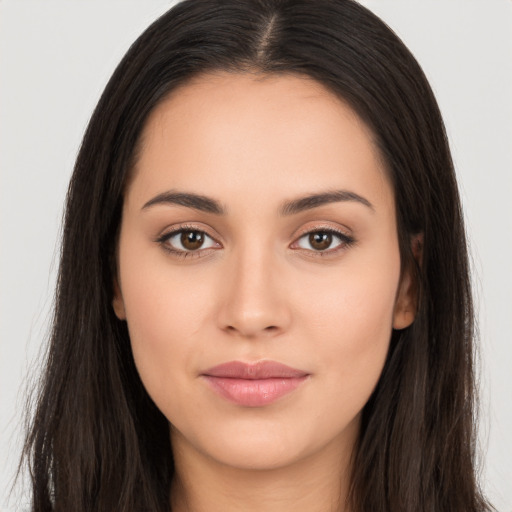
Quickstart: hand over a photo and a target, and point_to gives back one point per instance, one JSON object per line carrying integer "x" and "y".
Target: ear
{"x": 406, "y": 303}
{"x": 117, "y": 302}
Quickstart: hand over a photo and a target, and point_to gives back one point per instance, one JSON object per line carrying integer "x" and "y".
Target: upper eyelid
{"x": 302, "y": 232}
{"x": 166, "y": 234}
{"x": 325, "y": 227}
{"x": 340, "y": 233}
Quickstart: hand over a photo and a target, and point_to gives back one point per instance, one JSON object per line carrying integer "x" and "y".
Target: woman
{"x": 263, "y": 298}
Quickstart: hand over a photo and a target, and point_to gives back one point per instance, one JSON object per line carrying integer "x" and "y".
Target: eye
{"x": 324, "y": 241}
{"x": 186, "y": 241}
{"x": 191, "y": 242}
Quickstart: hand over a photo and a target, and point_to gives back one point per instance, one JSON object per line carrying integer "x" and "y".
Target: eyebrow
{"x": 210, "y": 205}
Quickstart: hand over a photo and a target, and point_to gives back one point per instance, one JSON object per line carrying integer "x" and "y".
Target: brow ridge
{"x": 209, "y": 205}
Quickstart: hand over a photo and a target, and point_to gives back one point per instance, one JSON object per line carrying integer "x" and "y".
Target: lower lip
{"x": 254, "y": 393}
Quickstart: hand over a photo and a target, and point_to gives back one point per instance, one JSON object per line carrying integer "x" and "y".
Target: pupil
{"x": 191, "y": 239}
{"x": 320, "y": 241}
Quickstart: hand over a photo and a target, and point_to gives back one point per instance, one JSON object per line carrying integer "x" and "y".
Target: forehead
{"x": 227, "y": 133}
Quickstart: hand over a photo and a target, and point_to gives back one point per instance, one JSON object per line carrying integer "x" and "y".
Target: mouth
{"x": 254, "y": 384}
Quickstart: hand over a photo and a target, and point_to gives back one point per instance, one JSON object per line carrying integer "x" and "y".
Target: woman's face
{"x": 259, "y": 270}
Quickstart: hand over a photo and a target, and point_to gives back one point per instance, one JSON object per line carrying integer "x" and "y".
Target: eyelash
{"x": 345, "y": 241}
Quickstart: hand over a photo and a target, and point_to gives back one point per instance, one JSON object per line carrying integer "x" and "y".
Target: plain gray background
{"x": 55, "y": 59}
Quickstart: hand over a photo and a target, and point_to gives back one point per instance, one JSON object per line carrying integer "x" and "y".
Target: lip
{"x": 254, "y": 384}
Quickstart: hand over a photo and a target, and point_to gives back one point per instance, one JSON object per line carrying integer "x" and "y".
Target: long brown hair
{"x": 97, "y": 442}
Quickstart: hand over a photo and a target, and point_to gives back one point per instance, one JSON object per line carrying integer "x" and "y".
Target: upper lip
{"x": 254, "y": 371}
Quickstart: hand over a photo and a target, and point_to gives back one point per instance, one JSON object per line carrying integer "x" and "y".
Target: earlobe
{"x": 118, "y": 303}
{"x": 406, "y": 304}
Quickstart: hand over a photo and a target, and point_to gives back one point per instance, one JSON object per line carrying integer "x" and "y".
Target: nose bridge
{"x": 252, "y": 302}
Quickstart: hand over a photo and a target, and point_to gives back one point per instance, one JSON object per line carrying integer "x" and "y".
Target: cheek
{"x": 163, "y": 313}
{"x": 157, "y": 306}
{"x": 351, "y": 323}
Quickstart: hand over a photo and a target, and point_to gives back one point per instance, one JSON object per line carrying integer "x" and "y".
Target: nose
{"x": 254, "y": 302}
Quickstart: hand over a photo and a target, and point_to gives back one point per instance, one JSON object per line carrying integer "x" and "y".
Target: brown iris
{"x": 320, "y": 240}
{"x": 192, "y": 240}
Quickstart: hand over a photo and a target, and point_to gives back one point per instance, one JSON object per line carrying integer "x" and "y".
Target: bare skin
{"x": 256, "y": 285}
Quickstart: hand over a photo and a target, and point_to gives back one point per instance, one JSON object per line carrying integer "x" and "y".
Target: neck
{"x": 316, "y": 483}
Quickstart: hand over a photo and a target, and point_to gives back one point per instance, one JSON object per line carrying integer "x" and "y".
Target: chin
{"x": 257, "y": 454}
{"x": 259, "y": 444}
